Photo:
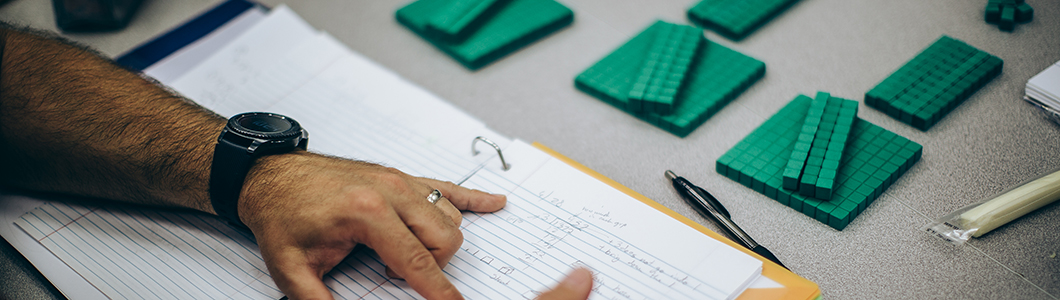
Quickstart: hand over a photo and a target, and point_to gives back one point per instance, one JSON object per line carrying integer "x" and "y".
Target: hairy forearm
{"x": 73, "y": 122}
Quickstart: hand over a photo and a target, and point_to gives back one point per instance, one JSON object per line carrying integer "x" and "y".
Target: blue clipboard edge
{"x": 158, "y": 48}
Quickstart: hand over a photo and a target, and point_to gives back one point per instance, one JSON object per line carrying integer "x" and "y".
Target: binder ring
{"x": 504, "y": 165}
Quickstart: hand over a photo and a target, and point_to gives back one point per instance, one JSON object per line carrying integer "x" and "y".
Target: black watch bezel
{"x": 236, "y": 124}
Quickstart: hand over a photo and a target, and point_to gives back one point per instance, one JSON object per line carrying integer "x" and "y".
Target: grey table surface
{"x": 989, "y": 143}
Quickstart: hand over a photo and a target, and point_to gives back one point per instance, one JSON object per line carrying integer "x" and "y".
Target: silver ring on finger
{"x": 434, "y": 196}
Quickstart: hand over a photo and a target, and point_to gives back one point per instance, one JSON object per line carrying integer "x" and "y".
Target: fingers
{"x": 435, "y": 225}
{"x": 449, "y": 210}
{"x": 467, "y": 199}
{"x": 406, "y": 256}
{"x": 576, "y": 286}
{"x": 293, "y": 274}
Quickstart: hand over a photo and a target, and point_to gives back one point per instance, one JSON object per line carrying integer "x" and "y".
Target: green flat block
{"x": 662, "y": 74}
{"x": 459, "y": 18}
{"x": 873, "y": 159}
{"x": 933, "y": 83}
{"x": 717, "y": 76}
{"x": 513, "y": 26}
{"x": 736, "y": 19}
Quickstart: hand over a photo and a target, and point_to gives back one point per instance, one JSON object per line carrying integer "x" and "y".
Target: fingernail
{"x": 577, "y": 279}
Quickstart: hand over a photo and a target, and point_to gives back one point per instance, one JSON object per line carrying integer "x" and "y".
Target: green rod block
{"x": 670, "y": 58}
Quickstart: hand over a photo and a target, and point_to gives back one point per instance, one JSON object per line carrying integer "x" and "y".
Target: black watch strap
{"x": 227, "y": 181}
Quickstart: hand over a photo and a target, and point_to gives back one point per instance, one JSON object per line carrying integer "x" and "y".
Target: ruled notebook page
{"x": 557, "y": 218}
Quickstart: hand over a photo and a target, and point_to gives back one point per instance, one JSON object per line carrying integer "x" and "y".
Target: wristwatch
{"x": 246, "y": 137}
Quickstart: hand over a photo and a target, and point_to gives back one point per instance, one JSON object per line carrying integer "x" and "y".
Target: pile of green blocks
{"x": 872, "y": 160}
{"x": 934, "y": 82}
{"x": 478, "y": 32}
{"x": 814, "y": 162}
{"x": 691, "y": 85}
{"x": 1006, "y": 13}
{"x": 736, "y": 19}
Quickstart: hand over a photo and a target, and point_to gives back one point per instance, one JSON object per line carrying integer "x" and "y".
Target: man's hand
{"x": 309, "y": 211}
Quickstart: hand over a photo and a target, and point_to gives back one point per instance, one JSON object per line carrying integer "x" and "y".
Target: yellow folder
{"x": 795, "y": 287}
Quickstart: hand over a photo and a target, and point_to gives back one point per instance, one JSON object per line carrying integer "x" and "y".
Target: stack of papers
{"x": 1043, "y": 90}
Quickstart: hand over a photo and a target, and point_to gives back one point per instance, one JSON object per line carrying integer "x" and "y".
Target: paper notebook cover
{"x": 794, "y": 286}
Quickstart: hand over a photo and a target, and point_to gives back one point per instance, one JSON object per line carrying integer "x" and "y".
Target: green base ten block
{"x": 663, "y": 72}
{"x": 462, "y": 17}
{"x": 873, "y": 159}
{"x": 934, "y": 82}
{"x": 736, "y": 19}
{"x": 820, "y": 146}
{"x": 1006, "y": 13}
{"x": 717, "y": 76}
{"x": 513, "y": 26}
{"x": 804, "y": 143}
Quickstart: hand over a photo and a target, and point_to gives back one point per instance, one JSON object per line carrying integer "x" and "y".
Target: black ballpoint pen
{"x": 710, "y": 208}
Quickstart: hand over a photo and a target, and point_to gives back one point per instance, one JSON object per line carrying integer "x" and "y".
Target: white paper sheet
{"x": 178, "y": 63}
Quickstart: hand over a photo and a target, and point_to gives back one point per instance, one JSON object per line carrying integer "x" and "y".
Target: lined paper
{"x": 557, "y": 217}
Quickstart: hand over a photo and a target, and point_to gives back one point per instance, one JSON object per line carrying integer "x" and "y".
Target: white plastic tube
{"x": 978, "y": 219}
{"x": 1012, "y": 204}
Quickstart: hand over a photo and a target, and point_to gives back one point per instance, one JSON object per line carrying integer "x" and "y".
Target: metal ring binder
{"x": 504, "y": 165}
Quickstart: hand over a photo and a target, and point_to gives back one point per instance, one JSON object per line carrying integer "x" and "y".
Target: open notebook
{"x": 560, "y": 215}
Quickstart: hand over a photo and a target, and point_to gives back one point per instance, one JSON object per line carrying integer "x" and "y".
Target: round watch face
{"x": 265, "y": 125}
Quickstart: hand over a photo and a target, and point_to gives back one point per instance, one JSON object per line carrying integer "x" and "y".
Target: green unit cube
{"x": 1008, "y": 18}
{"x": 993, "y": 13}
{"x": 933, "y": 83}
{"x": 513, "y": 26}
{"x": 662, "y": 74}
{"x": 870, "y": 154}
{"x": 736, "y": 19}
{"x": 1024, "y": 13}
{"x": 460, "y": 18}
{"x": 716, "y": 77}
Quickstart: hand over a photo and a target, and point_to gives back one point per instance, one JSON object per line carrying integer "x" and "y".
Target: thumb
{"x": 576, "y": 286}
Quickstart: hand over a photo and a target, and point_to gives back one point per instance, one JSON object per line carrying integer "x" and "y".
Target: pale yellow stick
{"x": 1012, "y": 204}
